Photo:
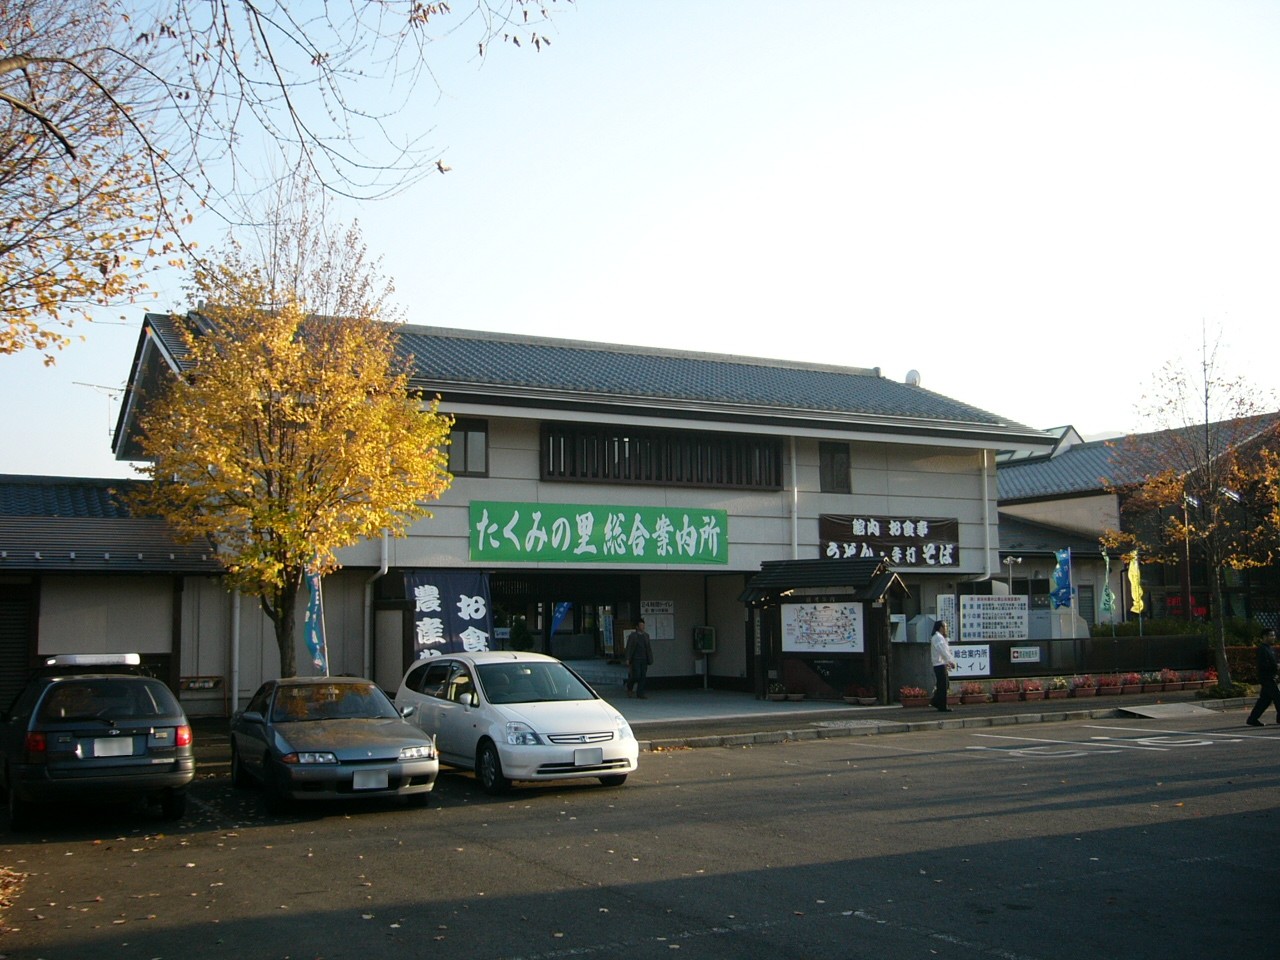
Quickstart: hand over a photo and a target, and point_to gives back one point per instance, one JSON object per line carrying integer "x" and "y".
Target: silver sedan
{"x": 328, "y": 738}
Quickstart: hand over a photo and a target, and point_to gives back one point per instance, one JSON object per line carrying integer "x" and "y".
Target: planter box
{"x": 1152, "y": 687}
{"x": 861, "y": 701}
{"x": 973, "y": 698}
{"x": 914, "y": 701}
{"x": 1175, "y": 686}
{"x": 1131, "y": 688}
{"x": 1056, "y": 694}
{"x": 777, "y": 696}
{"x": 1033, "y": 694}
{"x": 1109, "y": 691}
{"x": 1084, "y": 691}
{"x": 795, "y": 696}
{"x": 1005, "y": 697}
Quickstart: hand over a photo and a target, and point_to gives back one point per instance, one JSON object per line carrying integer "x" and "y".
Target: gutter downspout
{"x": 235, "y": 651}
{"x": 368, "y": 609}
{"x": 986, "y": 511}
{"x": 795, "y": 504}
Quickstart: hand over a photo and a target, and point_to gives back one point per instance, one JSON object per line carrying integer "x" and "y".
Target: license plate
{"x": 590, "y": 757}
{"x": 369, "y": 780}
{"x": 113, "y": 747}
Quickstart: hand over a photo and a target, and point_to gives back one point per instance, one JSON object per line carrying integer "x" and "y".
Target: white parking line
{"x": 1067, "y": 743}
{"x": 1221, "y": 737}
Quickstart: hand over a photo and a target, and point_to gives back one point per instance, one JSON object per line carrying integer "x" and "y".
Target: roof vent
{"x": 913, "y": 378}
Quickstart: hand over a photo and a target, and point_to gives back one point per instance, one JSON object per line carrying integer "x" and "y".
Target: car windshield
{"x": 107, "y": 698}
{"x": 531, "y": 681}
{"x": 331, "y": 701}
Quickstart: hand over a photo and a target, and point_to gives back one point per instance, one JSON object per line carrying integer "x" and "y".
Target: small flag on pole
{"x": 1108, "y": 595}
{"x": 1060, "y": 595}
{"x": 313, "y": 624}
{"x": 1135, "y": 584}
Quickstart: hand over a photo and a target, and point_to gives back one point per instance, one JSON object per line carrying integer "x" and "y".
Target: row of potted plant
{"x": 1083, "y": 685}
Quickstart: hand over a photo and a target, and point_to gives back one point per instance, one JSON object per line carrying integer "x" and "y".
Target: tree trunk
{"x": 282, "y": 609}
{"x": 1220, "y": 633}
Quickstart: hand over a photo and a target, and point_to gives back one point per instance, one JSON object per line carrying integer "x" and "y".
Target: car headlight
{"x": 522, "y": 735}
{"x": 420, "y": 752}
{"x": 310, "y": 756}
{"x": 622, "y": 728}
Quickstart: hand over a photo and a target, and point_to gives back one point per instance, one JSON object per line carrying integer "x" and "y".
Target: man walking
{"x": 1267, "y": 678}
{"x": 638, "y": 655}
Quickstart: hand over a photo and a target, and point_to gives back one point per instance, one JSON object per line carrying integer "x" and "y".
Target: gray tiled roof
{"x": 1084, "y": 468}
{"x": 1100, "y": 464}
{"x": 65, "y": 524}
{"x": 466, "y": 366}
{"x": 72, "y": 497}
{"x": 461, "y": 359}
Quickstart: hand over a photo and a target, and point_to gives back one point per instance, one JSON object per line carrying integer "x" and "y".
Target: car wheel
{"x": 489, "y": 769}
{"x": 614, "y": 780}
{"x": 239, "y": 773}
{"x": 277, "y": 798}
{"x": 173, "y": 804}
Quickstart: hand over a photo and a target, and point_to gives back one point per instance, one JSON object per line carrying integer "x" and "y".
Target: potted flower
{"x": 971, "y": 692}
{"x": 1032, "y": 690}
{"x": 1084, "y": 686}
{"x": 1151, "y": 683}
{"x": 1109, "y": 684}
{"x": 1004, "y": 690}
{"x": 913, "y": 696}
{"x": 1131, "y": 683}
{"x": 777, "y": 691}
{"x": 1171, "y": 679}
{"x": 1058, "y": 688}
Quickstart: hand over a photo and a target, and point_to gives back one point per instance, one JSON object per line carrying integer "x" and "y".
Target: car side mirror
{"x": 467, "y": 699}
{"x": 251, "y": 716}
{"x": 409, "y": 711}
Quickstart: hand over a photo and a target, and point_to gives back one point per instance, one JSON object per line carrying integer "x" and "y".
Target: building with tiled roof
{"x": 1077, "y": 490}
{"x": 597, "y": 483}
{"x": 78, "y": 568}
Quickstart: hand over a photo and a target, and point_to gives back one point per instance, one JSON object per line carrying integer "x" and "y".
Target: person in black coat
{"x": 1267, "y": 678}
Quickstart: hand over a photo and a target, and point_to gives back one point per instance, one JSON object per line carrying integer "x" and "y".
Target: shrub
{"x": 971, "y": 688}
{"x": 1131, "y": 679}
{"x": 1109, "y": 680}
{"x": 1059, "y": 683}
{"x": 912, "y": 693}
{"x": 1031, "y": 686}
{"x": 1084, "y": 681}
{"x": 1004, "y": 686}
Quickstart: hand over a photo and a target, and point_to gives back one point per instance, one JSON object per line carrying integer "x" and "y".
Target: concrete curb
{"x": 831, "y": 729}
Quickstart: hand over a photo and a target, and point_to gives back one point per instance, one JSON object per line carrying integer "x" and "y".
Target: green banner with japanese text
{"x": 578, "y": 533}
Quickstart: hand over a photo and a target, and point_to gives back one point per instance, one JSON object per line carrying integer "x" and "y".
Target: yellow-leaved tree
{"x": 1203, "y": 494}
{"x": 118, "y": 116}
{"x": 292, "y": 431}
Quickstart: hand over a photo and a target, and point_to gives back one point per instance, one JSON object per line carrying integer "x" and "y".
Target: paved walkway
{"x": 671, "y": 719}
{"x": 697, "y": 718}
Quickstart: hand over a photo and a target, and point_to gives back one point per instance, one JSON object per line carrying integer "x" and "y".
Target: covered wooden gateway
{"x": 823, "y": 626}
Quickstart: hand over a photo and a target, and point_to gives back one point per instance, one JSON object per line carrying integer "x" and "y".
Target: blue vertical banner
{"x": 313, "y": 624}
{"x": 1060, "y": 593}
{"x": 562, "y": 610}
{"x": 451, "y": 611}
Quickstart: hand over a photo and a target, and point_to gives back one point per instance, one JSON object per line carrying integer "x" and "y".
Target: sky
{"x": 1037, "y": 206}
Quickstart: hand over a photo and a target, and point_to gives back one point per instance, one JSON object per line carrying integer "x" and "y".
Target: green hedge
{"x": 1238, "y": 630}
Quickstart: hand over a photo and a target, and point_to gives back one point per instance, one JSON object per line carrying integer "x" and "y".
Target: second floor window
{"x": 610, "y": 454}
{"x": 469, "y": 448}
{"x": 833, "y": 468}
